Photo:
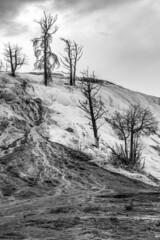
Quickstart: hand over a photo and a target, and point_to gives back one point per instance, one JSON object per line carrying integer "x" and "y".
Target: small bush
{"x": 117, "y": 157}
{"x": 117, "y": 161}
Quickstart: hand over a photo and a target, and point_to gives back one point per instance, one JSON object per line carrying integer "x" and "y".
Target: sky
{"x": 120, "y": 38}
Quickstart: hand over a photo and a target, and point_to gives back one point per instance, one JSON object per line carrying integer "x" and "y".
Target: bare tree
{"x": 92, "y": 105}
{"x": 73, "y": 54}
{"x": 14, "y": 57}
{"x": 45, "y": 58}
{"x": 1, "y": 65}
{"x": 135, "y": 122}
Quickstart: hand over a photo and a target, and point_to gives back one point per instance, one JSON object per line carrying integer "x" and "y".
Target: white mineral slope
{"x": 65, "y": 115}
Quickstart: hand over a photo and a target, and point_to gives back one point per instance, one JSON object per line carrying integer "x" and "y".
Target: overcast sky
{"x": 121, "y": 38}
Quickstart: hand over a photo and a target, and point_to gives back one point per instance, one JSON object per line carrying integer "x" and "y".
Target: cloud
{"x": 139, "y": 37}
{"x": 88, "y": 6}
{"x": 9, "y": 10}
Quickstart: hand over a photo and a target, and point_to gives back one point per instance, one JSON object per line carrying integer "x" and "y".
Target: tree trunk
{"x": 96, "y": 138}
{"x": 132, "y": 148}
{"x": 45, "y": 63}
{"x": 12, "y": 70}
{"x": 74, "y": 74}
{"x": 71, "y": 80}
{"x": 11, "y": 63}
{"x": 70, "y": 65}
{"x": 45, "y": 77}
{"x": 97, "y": 142}
{"x": 94, "y": 126}
{"x": 126, "y": 149}
{"x": 13, "y": 73}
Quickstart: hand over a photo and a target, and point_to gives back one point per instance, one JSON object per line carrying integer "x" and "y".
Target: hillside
{"x": 49, "y": 188}
{"x": 63, "y": 100}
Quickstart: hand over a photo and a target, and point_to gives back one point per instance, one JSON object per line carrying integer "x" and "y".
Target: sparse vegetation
{"x": 129, "y": 126}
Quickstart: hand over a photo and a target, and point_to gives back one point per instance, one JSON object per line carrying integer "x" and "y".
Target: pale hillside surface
{"x": 63, "y": 101}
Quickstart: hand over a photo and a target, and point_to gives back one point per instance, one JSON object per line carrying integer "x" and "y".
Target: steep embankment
{"x": 29, "y": 162}
{"x": 28, "y": 159}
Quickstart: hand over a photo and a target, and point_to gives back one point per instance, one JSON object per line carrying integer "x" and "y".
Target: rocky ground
{"x": 49, "y": 191}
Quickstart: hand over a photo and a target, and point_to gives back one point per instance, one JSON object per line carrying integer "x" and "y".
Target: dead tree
{"x": 14, "y": 57}
{"x": 46, "y": 60}
{"x": 130, "y": 125}
{"x": 92, "y": 105}
{"x": 73, "y": 54}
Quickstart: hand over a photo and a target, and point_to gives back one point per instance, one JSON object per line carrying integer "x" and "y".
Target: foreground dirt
{"x": 82, "y": 215}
